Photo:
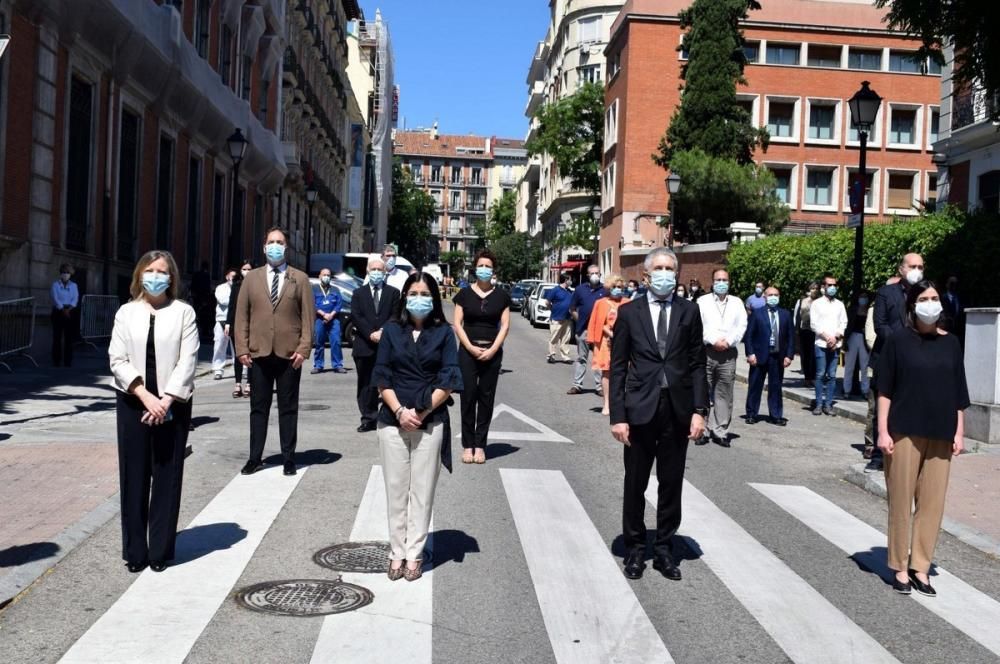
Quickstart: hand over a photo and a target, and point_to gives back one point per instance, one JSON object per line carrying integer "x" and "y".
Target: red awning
{"x": 569, "y": 265}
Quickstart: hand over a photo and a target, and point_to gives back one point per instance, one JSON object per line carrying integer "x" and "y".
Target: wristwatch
{"x": 701, "y": 411}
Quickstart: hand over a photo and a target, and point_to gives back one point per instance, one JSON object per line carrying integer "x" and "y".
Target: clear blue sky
{"x": 463, "y": 62}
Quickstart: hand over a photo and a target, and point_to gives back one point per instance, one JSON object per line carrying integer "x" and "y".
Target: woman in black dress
{"x": 922, "y": 397}
{"x": 482, "y": 320}
{"x": 242, "y": 388}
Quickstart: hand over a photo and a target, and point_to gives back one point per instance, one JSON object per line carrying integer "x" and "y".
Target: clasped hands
{"x": 409, "y": 419}
{"x": 156, "y": 408}
{"x": 622, "y": 433}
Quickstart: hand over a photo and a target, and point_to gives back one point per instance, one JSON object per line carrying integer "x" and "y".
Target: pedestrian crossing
{"x": 591, "y": 613}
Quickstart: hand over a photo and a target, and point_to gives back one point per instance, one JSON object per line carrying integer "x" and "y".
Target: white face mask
{"x": 244, "y": 272}
{"x": 928, "y": 311}
{"x": 914, "y": 276}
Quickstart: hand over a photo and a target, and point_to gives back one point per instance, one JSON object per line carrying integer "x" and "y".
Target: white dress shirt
{"x": 653, "y": 303}
{"x": 280, "y": 269}
{"x": 827, "y": 316}
{"x": 397, "y": 278}
{"x": 64, "y": 295}
{"x": 222, "y": 293}
{"x": 724, "y": 319}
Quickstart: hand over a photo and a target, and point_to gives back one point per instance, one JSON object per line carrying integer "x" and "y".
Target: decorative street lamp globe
{"x": 311, "y": 193}
{"x": 237, "y": 146}
{"x": 673, "y": 186}
{"x": 673, "y": 183}
{"x": 864, "y": 107}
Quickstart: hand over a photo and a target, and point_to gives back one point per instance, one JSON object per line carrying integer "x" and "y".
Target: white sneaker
{"x": 218, "y": 375}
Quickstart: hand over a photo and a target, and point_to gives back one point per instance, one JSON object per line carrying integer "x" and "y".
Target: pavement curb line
{"x": 787, "y": 393}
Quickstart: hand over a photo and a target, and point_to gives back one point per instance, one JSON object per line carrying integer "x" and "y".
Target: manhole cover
{"x": 354, "y": 557}
{"x": 313, "y": 406}
{"x": 304, "y": 597}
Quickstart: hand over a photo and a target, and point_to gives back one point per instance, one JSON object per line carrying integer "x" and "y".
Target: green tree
{"x": 571, "y": 131}
{"x": 963, "y": 24}
{"x": 518, "y": 256}
{"x": 581, "y": 231}
{"x": 499, "y": 221}
{"x": 455, "y": 260}
{"x": 411, "y": 216}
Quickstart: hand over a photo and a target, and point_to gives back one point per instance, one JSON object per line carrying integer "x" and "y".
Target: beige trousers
{"x": 916, "y": 474}
{"x": 559, "y": 334}
{"x": 411, "y": 462}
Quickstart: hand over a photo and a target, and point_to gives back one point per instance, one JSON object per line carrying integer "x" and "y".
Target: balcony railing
{"x": 477, "y": 182}
{"x": 436, "y": 181}
{"x": 438, "y": 204}
{"x": 456, "y": 182}
{"x": 507, "y": 181}
{"x": 973, "y": 106}
{"x": 476, "y": 207}
{"x": 455, "y": 206}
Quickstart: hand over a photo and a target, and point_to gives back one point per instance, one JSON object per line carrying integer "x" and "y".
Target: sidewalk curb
{"x": 874, "y": 483}
{"x": 787, "y": 393}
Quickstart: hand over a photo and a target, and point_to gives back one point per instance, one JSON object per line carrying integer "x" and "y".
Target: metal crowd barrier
{"x": 97, "y": 317}
{"x": 17, "y": 329}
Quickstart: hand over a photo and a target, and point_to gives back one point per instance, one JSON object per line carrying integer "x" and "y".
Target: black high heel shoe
{"x": 920, "y": 586}
{"x": 135, "y": 568}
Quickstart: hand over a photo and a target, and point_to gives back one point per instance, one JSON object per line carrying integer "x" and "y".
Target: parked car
{"x": 527, "y": 298}
{"x": 345, "y": 284}
{"x": 538, "y": 309}
{"x": 517, "y": 293}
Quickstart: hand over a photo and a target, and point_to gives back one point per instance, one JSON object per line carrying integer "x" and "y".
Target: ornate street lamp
{"x": 350, "y": 224}
{"x": 311, "y": 195}
{"x": 673, "y": 186}
{"x": 864, "y": 107}
{"x": 237, "y": 146}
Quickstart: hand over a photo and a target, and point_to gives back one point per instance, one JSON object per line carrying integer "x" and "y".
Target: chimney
{"x": 434, "y": 131}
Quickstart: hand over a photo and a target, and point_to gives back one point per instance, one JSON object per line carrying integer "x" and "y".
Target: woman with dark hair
{"x": 242, "y": 388}
{"x": 416, "y": 371}
{"x": 922, "y": 397}
{"x": 153, "y": 353}
{"x": 807, "y": 338}
{"x": 482, "y": 320}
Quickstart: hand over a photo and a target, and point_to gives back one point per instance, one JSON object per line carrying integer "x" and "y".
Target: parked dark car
{"x": 517, "y": 297}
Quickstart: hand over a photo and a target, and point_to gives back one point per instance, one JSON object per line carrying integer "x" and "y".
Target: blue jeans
{"x": 826, "y": 375}
{"x": 328, "y": 332}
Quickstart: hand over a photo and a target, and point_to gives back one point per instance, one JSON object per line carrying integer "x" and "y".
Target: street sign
{"x": 854, "y": 220}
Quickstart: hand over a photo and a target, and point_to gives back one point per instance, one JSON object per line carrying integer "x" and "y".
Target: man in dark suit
{"x": 770, "y": 349}
{"x": 372, "y": 305}
{"x": 659, "y": 400}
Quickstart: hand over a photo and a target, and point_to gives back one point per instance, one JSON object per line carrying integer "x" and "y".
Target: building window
{"x": 989, "y": 191}
{"x": 589, "y": 29}
{"x": 783, "y": 188}
{"x": 614, "y": 65}
{"x": 900, "y": 191}
{"x": 202, "y": 21}
{"x": 454, "y": 226}
{"x": 608, "y": 197}
{"x": 933, "y": 67}
{"x": 246, "y": 78}
{"x": 477, "y": 176}
{"x": 932, "y": 126}
{"x": 783, "y": 54}
{"x": 902, "y": 127}
{"x": 436, "y": 195}
{"x": 902, "y": 61}
{"x": 128, "y": 184}
{"x": 852, "y": 130}
{"x": 417, "y": 171}
{"x": 823, "y": 55}
{"x": 822, "y": 121}
{"x": 456, "y": 175}
{"x": 164, "y": 193}
{"x": 588, "y": 74}
{"x": 751, "y": 51}
{"x": 819, "y": 187}
{"x": 859, "y": 58}
{"x": 931, "y": 189}
{"x": 456, "y": 201}
{"x": 78, "y": 157}
{"x": 476, "y": 203}
{"x": 611, "y": 125}
{"x": 453, "y": 246}
{"x": 436, "y": 177}
{"x": 193, "y": 214}
{"x": 871, "y": 186}
{"x": 781, "y": 119}
{"x": 226, "y": 55}
{"x": 262, "y": 100}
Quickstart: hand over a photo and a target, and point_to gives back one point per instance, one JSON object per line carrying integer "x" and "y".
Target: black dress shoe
{"x": 251, "y": 467}
{"x": 157, "y": 566}
{"x": 371, "y": 426}
{"x": 750, "y": 419}
{"x": 634, "y": 566}
{"x": 703, "y": 440}
{"x": 920, "y": 586}
{"x": 135, "y": 568}
{"x": 290, "y": 468}
{"x": 779, "y": 421}
{"x": 667, "y": 567}
{"x": 340, "y": 370}
{"x": 900, "y": 587}
{"x": 722, "y": 442}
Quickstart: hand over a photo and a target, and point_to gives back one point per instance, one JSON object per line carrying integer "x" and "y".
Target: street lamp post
{"x": 237, "y": 145}
{"x": 673, "y": 186}
{"x": 350, "y": 224}
{"x": 864, "y": 109}
{"x": 311, "y": 194}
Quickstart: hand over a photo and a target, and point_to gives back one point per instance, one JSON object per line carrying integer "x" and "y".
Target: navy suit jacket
{"x": 757, "y": 340}
{"x": 367, "y": 320}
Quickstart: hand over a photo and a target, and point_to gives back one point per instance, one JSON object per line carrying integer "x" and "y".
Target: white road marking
{"x": 542, "y": 433}
{"x": 593, "y": 619}
{"x": 966, "y": 608}
{"x": 161, "y": 615}
{"x": 396, "y": 626}
{"x": 800, "y": 620}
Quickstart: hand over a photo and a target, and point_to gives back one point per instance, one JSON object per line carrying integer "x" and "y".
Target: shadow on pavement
{"x": 876, "y": 561}
{"x": 681, "y": 547}
{"x": 200, "y": 541}
{"x": 5, "y": 436}
{"x": 96, "y": 407}
{"x": 202, "y": 420}
{"x": 496, "y": 450}
{"x": 26, "y": 553}
{"x": 451, "y": 546}
{"x": 307, "y": 458}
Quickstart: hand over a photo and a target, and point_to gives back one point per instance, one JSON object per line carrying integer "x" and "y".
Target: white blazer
{"x": 177, "y": 344}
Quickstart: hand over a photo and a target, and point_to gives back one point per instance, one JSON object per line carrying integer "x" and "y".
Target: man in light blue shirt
{"x": 65, "y": 299}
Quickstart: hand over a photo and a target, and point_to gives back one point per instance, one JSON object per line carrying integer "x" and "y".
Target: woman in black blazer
{"x": 242, "y": 388}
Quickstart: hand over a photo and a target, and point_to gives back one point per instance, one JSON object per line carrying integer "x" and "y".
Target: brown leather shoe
{"x": 574, "y": 390}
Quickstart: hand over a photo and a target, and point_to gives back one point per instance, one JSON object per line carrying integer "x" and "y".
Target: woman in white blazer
{"x": 153, "y": 351}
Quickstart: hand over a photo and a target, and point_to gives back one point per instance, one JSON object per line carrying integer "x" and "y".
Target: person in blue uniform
{"x": 328, "y": 303}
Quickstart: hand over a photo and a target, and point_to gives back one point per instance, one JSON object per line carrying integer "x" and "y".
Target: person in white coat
{"x": 219, "y": 337}
{"x": 153, "y": 354}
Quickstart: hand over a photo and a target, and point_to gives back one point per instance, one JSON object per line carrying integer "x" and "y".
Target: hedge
{"x": 951, "y": 241}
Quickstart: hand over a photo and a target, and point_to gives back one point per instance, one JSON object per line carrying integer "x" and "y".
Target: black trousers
{"x": 266, "y": 374}
{"x": 807, "y": 357}
{"x": 367, "y": 393}
{"x": 151, "y": 471}
{"x": 479, "y": 380}
{"x": 663, "y": 441}
{"x": 63, "y": 335}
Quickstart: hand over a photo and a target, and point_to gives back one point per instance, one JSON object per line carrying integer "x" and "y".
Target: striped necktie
{"x": 274, "y": 290}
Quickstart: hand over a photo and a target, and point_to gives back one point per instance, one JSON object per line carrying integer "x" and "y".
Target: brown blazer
{"x": 282, "y": 330}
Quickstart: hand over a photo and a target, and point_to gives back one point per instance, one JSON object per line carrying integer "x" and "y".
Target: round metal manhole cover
{"x": 313, "y": 406}
{"x": 304, "y": 598}
{"x": 364, "y": 557}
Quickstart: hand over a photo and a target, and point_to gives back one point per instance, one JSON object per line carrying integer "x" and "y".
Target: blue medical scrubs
{"x": 329, "y": 302}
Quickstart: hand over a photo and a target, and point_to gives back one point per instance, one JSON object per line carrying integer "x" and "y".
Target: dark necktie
{"x": 661, "y": 338}
{"x": 774, "y": 328}
{"x": 274, "y": 290}
{"x": 377, "y": 296}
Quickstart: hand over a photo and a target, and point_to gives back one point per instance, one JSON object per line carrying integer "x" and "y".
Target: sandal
{"x": 467, "y": 456}
{"x": 237, "y": 392}
{"x": 246, "y": 391}
{"x": 414, "y": 574}
{"x": 480, "y": 456}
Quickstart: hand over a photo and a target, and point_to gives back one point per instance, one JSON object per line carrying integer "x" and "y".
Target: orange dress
{"x": 605, "y": 313}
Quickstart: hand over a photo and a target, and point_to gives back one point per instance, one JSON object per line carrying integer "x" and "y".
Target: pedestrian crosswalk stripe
{"x": 966, "y": 608}
{"x": 597, "y": 619}
{"x": 800, "y": 620}
{"x": 396, "y": 626}
{"x": 161, "y": 615}
{"x": 541, "y": 433}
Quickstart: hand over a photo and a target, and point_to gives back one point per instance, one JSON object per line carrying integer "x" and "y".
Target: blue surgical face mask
{"x": 325, "y": 280}
{"x": 758, "y": 291}
{"x": 662, "y": 282}
{"x": 831, "y": 291}
{"x": 617, "y": 292}
{"x": 419, "y": 306}
{"x": 155, "y": 283}
{"x": 772, "y": 300}
{"x": 629, "y": 291}
{"x": 863, "y": 301}
{"x": 390, "y": 263}
{"x": 720, "y": 287}
{"x": 484, "y": 273}
{"x": 376, "y": 277}
{"x": 275, "y": 252}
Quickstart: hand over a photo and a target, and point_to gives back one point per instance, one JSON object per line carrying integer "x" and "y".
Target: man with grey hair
{"x": 658, "y": 354}
{"x": 394, "y": 276}
{"x": 723, "y": 321}
{"x": 580, "y": 307}
{"x": 372, "y": 305}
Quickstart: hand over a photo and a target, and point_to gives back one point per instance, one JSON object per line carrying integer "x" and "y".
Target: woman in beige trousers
{"x": 922, "y": 397}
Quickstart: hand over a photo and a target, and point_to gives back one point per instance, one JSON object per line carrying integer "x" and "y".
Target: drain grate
{"x": 304, "y": 597}
{"x": 367, "y": 557}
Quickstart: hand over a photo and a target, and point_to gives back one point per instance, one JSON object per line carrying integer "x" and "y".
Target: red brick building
{"x": 807, "y": 58}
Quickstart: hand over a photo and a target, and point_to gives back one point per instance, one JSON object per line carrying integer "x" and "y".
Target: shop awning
{"x": 569, "y": 265}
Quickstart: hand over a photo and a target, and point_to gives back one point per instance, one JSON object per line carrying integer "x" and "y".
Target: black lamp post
{"x": 311, "y": 194}
{"x": 864, "y": 109}
{"x": 673, "y": 186}
{"x": 237, "y": 145}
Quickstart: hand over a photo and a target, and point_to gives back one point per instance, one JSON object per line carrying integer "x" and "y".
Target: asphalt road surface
{"x": 782, "y": 560}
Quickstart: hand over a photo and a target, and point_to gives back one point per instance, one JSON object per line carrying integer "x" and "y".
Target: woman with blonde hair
{"x": 153, "y": 353}
{"x": 600, "y": 331}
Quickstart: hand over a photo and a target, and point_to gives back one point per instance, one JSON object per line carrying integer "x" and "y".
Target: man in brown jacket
{"x": 273, "y": 337}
